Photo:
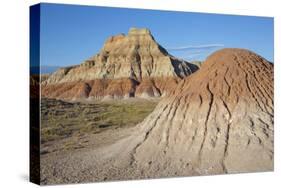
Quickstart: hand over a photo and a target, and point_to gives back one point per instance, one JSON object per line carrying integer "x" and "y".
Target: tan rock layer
{"x": 135, "y": 56}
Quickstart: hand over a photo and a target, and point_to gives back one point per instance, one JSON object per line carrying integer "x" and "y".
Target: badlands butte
{"x": 215, "y": 119}
{"x": 127, "y": 66}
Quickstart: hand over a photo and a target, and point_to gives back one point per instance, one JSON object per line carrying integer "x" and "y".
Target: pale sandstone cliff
{"x": 126, "y": 66}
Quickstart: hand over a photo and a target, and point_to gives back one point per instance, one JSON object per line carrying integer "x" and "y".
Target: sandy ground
{"x": 87, "y": 156}
{"x": 86, "y": 162}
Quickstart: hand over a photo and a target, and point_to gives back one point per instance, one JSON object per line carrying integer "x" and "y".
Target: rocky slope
{"x": 126, "y": 66}
{"x": 218, "y": 120}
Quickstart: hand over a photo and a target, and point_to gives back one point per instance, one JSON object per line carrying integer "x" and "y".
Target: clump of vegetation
{"x": 60, "y": 119}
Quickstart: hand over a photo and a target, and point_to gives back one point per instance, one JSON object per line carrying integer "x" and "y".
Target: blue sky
{"x": 71, "y": 34}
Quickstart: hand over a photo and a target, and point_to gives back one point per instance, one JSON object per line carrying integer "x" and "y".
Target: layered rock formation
{"x": 127, "y": 66}
{"x": 218, "y": 120}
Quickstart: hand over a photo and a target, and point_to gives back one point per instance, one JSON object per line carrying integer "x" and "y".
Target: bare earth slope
{"x": 218, "y": 120}
{"x": 126, "y": 66}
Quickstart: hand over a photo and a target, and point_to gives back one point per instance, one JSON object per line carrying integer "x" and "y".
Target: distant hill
{"x": 45, "y": 69}
{"x": 197, "y": 63}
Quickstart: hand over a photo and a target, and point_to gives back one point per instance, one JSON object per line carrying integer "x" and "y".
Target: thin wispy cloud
{"x": 193, "y": 54}
{"x": 197, "y": 52}
{"x": 193, "y": 47}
